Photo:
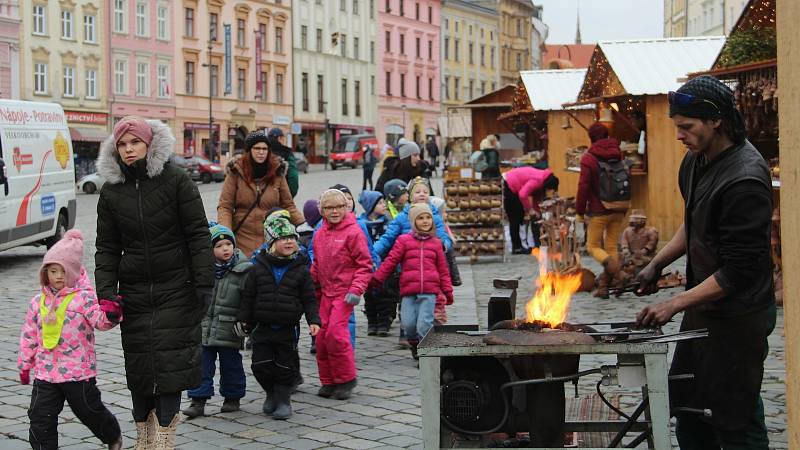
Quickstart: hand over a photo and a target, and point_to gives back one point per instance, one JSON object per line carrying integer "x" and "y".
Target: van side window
{"x": 1, "y": 145}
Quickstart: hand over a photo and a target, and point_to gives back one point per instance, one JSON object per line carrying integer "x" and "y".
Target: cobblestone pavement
{"x": 384, "y": 411}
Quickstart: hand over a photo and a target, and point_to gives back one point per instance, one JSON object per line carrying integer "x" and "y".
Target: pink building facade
{"x": 9, "y": 49}
{"x": 408, "y": 69}
{"x": 140, "y": 59}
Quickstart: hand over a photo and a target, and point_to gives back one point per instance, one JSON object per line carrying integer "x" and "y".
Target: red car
{"x": 348, "y": 150}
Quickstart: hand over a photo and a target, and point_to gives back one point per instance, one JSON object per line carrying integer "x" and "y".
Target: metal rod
{"x": 639, "y": 439}
{"x": 629, "y": 424}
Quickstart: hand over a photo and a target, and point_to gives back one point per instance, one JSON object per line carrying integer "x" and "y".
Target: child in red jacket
{"x": 424, "y": 273}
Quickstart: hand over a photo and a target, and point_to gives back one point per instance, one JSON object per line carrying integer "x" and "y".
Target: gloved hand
{"x": 204, "y": 296}
{"x": 242, "y": 329}
{"x": 449, "y": 298}
{"x": 352, "y": 299}
{"x": 112, "y": 307}
{"x": 25, "y": 376}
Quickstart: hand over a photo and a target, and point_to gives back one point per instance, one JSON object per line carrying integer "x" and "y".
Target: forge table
{"x": 443, "y": 342}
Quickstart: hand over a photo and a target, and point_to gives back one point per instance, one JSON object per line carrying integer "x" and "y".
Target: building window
{"x": 69, "y": 81}
{"x": 471, "y": 88}
{"x": 141, "y": 19}
{"x": 389, "y": 84}
{"x": 402, "y": 8}
{"x": 264, "y": 78}
{"x": 163, "y": 80}
{"x": 430, "y": 89}
{"x": 357, "y": 93}
{"x": 91, "y": 83}
{"x": 241, "y": 80}
{"x": 483, "y": 87}
{"x": 40, "y": 78}
{"x": 371, "y": 9}
{"x": 470, "y": 30}
{"x": 343, "y": 44}
{"x": 355, "y": 7}
{"x": 418, "y": 48}
{"x": 343, "y": 5}
{"x": 304, "y": 90}
{"x": 402, "y": 44}
{"x": 430, "y": 50}
{"x": 402, "y": 85}
{"x": 372, "y": 85}
{"x": 319, "y": 40}
{"x": 66, "y": 24}
{"x": 344, "y": 97}
{"x": 456, "y": 44}
{"x": 89, "y": 34}
{"x": 372, "y": 52}
{"x": 39, "y": 20}
{"x": 320, "y": 94}
{"x": 519, "y": 61}
{"x": 388, "y": 41}
{"x": 213, "y": 25}
{"x": 119, "y": 16}
{"x": 447, "y": 88}
{"x": 519, "y": 28}
{"x": 456, "y": 26}
{"x": 262, "y": 34}
{"x": 189, "y": 77}
{"x": 304, "y": 37}
{"x": 279, "y": 88}
{"x": 447, "y": 48}
{"x": 240, "y": 24}
{"x": 483, "y": 55}
{"x": 416, "y": 10}
{"x": 491, "y": 58}
{"x": 494, "y": 86}
{"x": 355, "y": 48}
{"x": 142, "y": 78}
{"x": 188, "y": 24}
{"x": 446, "y": 24}
{"x": 417, "y": 86}
{"x": 120, "y": 74}
{"x": 456, "y": 87}
{"x": 471, "y": 53}
{"x": 161, "y": 22}
{"x": 278, "y": 40}
{"x": 214, "y": 72}
{"x": 430, "y": 14}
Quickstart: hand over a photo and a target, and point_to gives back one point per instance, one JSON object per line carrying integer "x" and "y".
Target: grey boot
{"x": 230, "y": 405}
{"x": 283, "y": 402}
{"x": 196, "y": 408}
{"x": 269, "y": 403}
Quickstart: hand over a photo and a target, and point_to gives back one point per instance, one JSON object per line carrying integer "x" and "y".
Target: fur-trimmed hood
{"x": 158, "y": 153}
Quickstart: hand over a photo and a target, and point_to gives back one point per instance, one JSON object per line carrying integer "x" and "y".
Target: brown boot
{"x": 165, "y": 436}
{"x": 610, "y": 269}
{"x": 146, "y": 432}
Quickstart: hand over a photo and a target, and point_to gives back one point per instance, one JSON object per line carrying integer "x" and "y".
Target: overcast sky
{"x": 603, "y": 20}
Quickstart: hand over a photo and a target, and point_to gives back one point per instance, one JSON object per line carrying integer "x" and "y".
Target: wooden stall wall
{"x": 664, "y": 204}
{"x": 559, "y": 140}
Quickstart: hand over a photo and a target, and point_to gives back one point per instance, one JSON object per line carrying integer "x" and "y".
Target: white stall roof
{"x": 654, "y": 66}
{"x": 549, "y": 89}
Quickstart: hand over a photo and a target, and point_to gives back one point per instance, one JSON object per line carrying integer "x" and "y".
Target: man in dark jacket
{"x": 725, "y": 236}
{"x": 605, "y": 226}
{"x": 369, "y": 166}
{"x": 154, "y": 250}
{"x": 275, "y": 140}
{"x": 433, "y": 152}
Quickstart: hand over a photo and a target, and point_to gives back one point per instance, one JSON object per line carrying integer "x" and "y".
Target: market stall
{"x": 747, "y": 64}
{"x": 628, "y": 83}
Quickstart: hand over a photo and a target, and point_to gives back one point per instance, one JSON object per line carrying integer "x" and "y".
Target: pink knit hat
{"x": 68, "y": 253}
{"x": 134, "y": 125}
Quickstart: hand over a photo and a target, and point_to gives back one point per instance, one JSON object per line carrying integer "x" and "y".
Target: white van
{"x": 37, "y": 174}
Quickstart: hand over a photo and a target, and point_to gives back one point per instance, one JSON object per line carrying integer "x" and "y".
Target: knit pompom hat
{"x": 254, "y": 138}
{"x": 417, "y": 181}
{"x": 220, "y": 232}
{"x": 278, "y": 227}
{"x": 407, "y": 148}
{"x": 68, "y": 253}
{"x": 311, "y": 212}
{"x": 597, "y": 131}
{"x": 368, "y": 200}
{"x": 414, "y": 212}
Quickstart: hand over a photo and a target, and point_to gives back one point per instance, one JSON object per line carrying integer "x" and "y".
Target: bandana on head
{"x": 713, "y": 100}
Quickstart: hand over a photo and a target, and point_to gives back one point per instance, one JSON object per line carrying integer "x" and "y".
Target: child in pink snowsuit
{"x": 57, "y": 343}
{"x": 341, "y": 270}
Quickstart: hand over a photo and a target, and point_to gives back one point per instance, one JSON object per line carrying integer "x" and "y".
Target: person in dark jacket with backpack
{"x": 369, "y": 166}
{"x": 277, "y": 294}
{"x": 605, "y": 226}
{"x": 154, "y": 250}
{"x": 727, "y": 191}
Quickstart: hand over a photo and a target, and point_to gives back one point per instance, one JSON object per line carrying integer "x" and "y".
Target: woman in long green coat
{"x": 153, "y": 250}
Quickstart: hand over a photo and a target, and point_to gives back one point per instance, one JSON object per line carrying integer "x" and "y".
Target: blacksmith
{"x": 727, "y": 193}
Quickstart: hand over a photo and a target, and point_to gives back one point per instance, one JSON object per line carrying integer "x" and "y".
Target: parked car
{"x": 209, "y": 171}
{"x": 89, "y": 184}
{"x": 189, "y": 164}
{"x": 302, "y": 162}
{"x": 348, "y": 150}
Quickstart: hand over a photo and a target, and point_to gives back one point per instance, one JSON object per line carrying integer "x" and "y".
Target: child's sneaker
{"x": 345, "y": 390}
{"x": 326, "y": 390}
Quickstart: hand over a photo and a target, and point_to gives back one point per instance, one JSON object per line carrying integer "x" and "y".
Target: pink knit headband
{"x": 135, "y": 126}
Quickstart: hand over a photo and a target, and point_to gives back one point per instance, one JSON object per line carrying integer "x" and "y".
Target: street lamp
{"x": 211, "y": 146}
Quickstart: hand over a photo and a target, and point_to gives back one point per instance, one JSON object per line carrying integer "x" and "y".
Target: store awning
{"x": 83, "y": 134}
{"x": 455, "y": 125}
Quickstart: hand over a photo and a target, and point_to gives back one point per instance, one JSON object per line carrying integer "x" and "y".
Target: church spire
{"x": 578, "y": 26}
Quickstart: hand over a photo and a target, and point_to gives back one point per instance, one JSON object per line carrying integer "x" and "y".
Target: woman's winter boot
{"x": 326, "y": 390}
{"x": 196, "y": 409}
{"x": 269, "y": 403}
{"x": 165, "y": 436}
{"x": 413, "y": 345}
{"x": 283, "y": 402}
{"x": 610, "y": 269}
{"x": 230, "y": 405}
{"x": 344, "y": 390}
{"x": 146, "y": 432}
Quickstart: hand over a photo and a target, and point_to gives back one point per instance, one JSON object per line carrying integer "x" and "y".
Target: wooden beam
{"x": 571, "y": 114}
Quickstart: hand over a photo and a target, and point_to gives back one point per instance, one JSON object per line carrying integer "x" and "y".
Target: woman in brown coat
{"x": 255, "y": 184}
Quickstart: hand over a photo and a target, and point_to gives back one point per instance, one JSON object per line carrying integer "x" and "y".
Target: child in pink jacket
{"x": 57, "y": 343}
{"x": 423, "y": 275}
{"x": 341, "y": 270}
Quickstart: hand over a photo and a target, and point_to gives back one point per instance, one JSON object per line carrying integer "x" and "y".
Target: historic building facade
{"x": 9, "y": 49}
{"x": 237, "y": 57}
{"x": 334, "y": 72}
{"x": 408, "y": 72}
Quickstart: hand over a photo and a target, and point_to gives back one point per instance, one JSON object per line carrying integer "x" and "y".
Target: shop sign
{"x": 296, "y": 128}
{"x": 281, "y": 120}
{"x": 199, "y": 126}
{"x": 345, "y": 131}
{"x": 86, "y": 117}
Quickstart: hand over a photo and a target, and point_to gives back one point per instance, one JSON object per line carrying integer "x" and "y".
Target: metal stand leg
{"x": 656, "y": 369}
{"x": 430, "y": 374}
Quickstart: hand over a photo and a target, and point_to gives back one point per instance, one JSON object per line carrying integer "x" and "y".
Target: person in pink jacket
{"x": 424, "y": 274}
{"x": 341, "y": 271}
{"x": 523, "y": 189}
{"x": 57, "y": 343}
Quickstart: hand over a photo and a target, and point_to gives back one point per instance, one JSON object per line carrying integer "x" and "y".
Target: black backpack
{"x": 615, "y": 184}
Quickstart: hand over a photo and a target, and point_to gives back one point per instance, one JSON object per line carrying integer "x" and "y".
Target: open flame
{"x": 550, "y": 303}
